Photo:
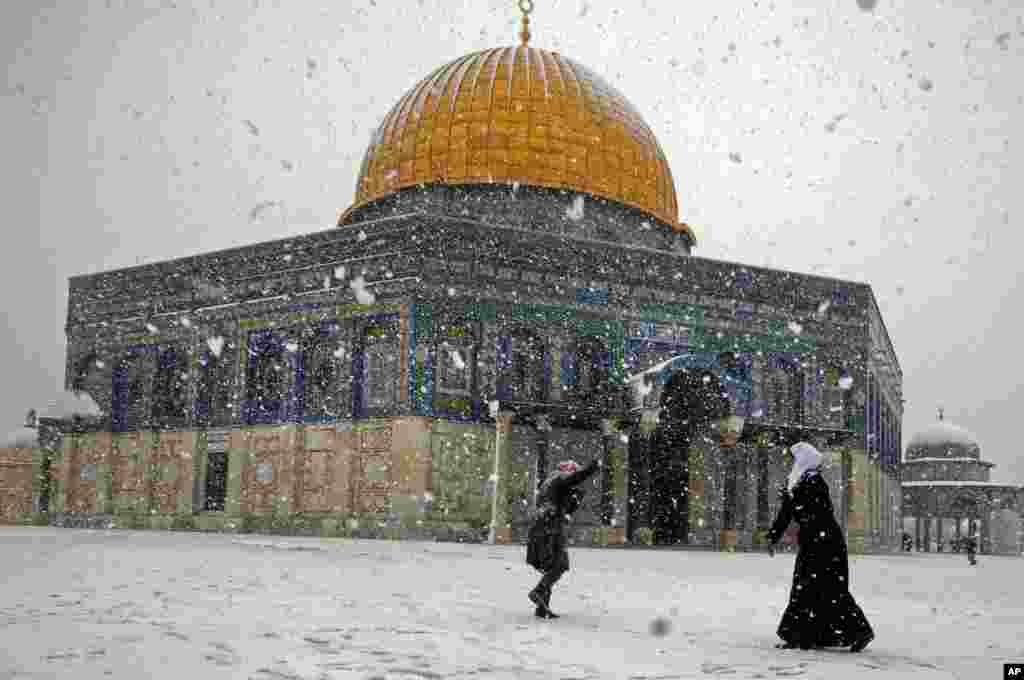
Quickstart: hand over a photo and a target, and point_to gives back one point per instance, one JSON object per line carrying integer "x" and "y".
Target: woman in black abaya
{"x": 821, "y": 610}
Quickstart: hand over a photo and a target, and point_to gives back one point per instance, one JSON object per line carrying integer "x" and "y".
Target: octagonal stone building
{"x": 512, "y": 266}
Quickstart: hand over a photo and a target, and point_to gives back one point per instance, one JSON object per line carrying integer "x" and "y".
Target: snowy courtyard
{"x": 98, "y": 604}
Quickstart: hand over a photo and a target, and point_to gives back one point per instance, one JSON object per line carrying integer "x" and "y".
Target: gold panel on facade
{"x": 520, "y": 114}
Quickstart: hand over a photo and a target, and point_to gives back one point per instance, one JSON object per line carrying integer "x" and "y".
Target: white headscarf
{"x": 805, "y": 457}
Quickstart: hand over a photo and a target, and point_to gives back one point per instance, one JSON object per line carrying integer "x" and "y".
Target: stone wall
{"x": 862, "y": 510}
{"x": 16, "y": 472}
{"x": 130, "y": 476}
{"x": 416, "y": 476}
{"x": 461, "y": 464}
{"x": 326, "y": 470}
{"x": 85, "y": 470}
{"x": 172, "y": 470}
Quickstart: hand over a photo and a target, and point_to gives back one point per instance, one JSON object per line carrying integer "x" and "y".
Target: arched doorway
{"x": 660, "y": 479}
{"x": 966, "y": 512}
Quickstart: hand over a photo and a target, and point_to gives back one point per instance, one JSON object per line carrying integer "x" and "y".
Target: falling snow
{"x": 363, "y": 296}
{"x": 575, "y": 210}
{"x": 216, "y": 345}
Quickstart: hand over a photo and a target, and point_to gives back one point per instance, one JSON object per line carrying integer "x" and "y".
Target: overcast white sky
{"x": 809, "y": 135}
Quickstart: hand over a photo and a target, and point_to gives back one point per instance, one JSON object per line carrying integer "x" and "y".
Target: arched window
{"x": 132, "y": 381}
{"x": 378, "y": 368}
{"x": 834, "y": 404}
{"x": 320, "y": 374}
{"x": 778, "y": 395}
{"x": 266, "y": 379}
{"x": 592, "y": 364}
{"x": 170, "y": 389}
{"x": 455, "y": 357}
{"x": 82, "y": 369}
{"x": 783, "y": 387}
{"x": 214, "y": 389}
{"x": 525, "y": 374}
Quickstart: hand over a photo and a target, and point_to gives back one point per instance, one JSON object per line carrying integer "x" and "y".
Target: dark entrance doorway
{"x": 660, "y": 472}
{"x": 216, "y": 480}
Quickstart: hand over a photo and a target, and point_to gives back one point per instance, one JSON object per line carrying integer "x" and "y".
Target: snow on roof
{"x": 68, "y": 404}
{"x": 1009, "y": 486}
{"x": 22, "y": 438}
{"x": 942, "y": 433}
{"x": 949, "y": 460}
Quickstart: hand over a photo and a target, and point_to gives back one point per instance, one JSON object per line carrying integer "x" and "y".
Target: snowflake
{"x": 575, "y": 211}
{"x": 216, "y": 345}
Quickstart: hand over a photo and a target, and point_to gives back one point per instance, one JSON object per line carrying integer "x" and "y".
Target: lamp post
{"x": 495, "y": 410}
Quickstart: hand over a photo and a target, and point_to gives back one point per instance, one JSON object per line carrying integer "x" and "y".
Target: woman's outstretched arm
{"x": 783, "y": 519}
{"x": 581, "y": 475}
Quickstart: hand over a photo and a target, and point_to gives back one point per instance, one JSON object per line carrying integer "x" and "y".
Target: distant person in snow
{"x": 821, "y": 611}
{"x": 971, "y": 543}
{"x": 547, "y": 550}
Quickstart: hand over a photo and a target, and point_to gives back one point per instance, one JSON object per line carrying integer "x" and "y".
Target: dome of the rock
{"x": 520, "y": 115}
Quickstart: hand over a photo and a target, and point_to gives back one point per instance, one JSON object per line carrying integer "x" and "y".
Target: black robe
{"x": 547, "y": 547}
{"x": 821, "y": 610}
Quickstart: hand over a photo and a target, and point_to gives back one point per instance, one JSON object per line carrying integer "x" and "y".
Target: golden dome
{"x": 520, "y": 114}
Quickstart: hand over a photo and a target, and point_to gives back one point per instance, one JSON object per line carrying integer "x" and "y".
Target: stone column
{"x": 728, "y": 535}
{"x": 747, "y": 492}
{"x": 958, "y": 521}
{"x": 615, "y": 476}
{"x": 985, "y": 539}
{"x": 502, "y": 520}
{"x": 540, "y": 465}
{"x": 638, "y": 483}
{"x": 940, "y": 534}
{"x": 917, "y": 534}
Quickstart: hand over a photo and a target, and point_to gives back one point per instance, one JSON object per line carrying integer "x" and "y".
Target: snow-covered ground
{"x": 100, "y": 604}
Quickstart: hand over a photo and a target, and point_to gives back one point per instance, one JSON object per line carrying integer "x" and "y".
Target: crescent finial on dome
{"x": 526, "y": 7}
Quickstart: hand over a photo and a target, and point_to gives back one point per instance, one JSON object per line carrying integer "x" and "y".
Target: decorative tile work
{"x": 15, "y": 484}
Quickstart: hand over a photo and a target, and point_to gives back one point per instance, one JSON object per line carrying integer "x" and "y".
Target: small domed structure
{"x": 943, "y": 439}
{"x": 948, "y": 493}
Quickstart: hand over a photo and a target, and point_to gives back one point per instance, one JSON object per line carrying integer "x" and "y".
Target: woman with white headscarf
{"x": 547, "y": 548}
{"x": 821, "y": 611}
